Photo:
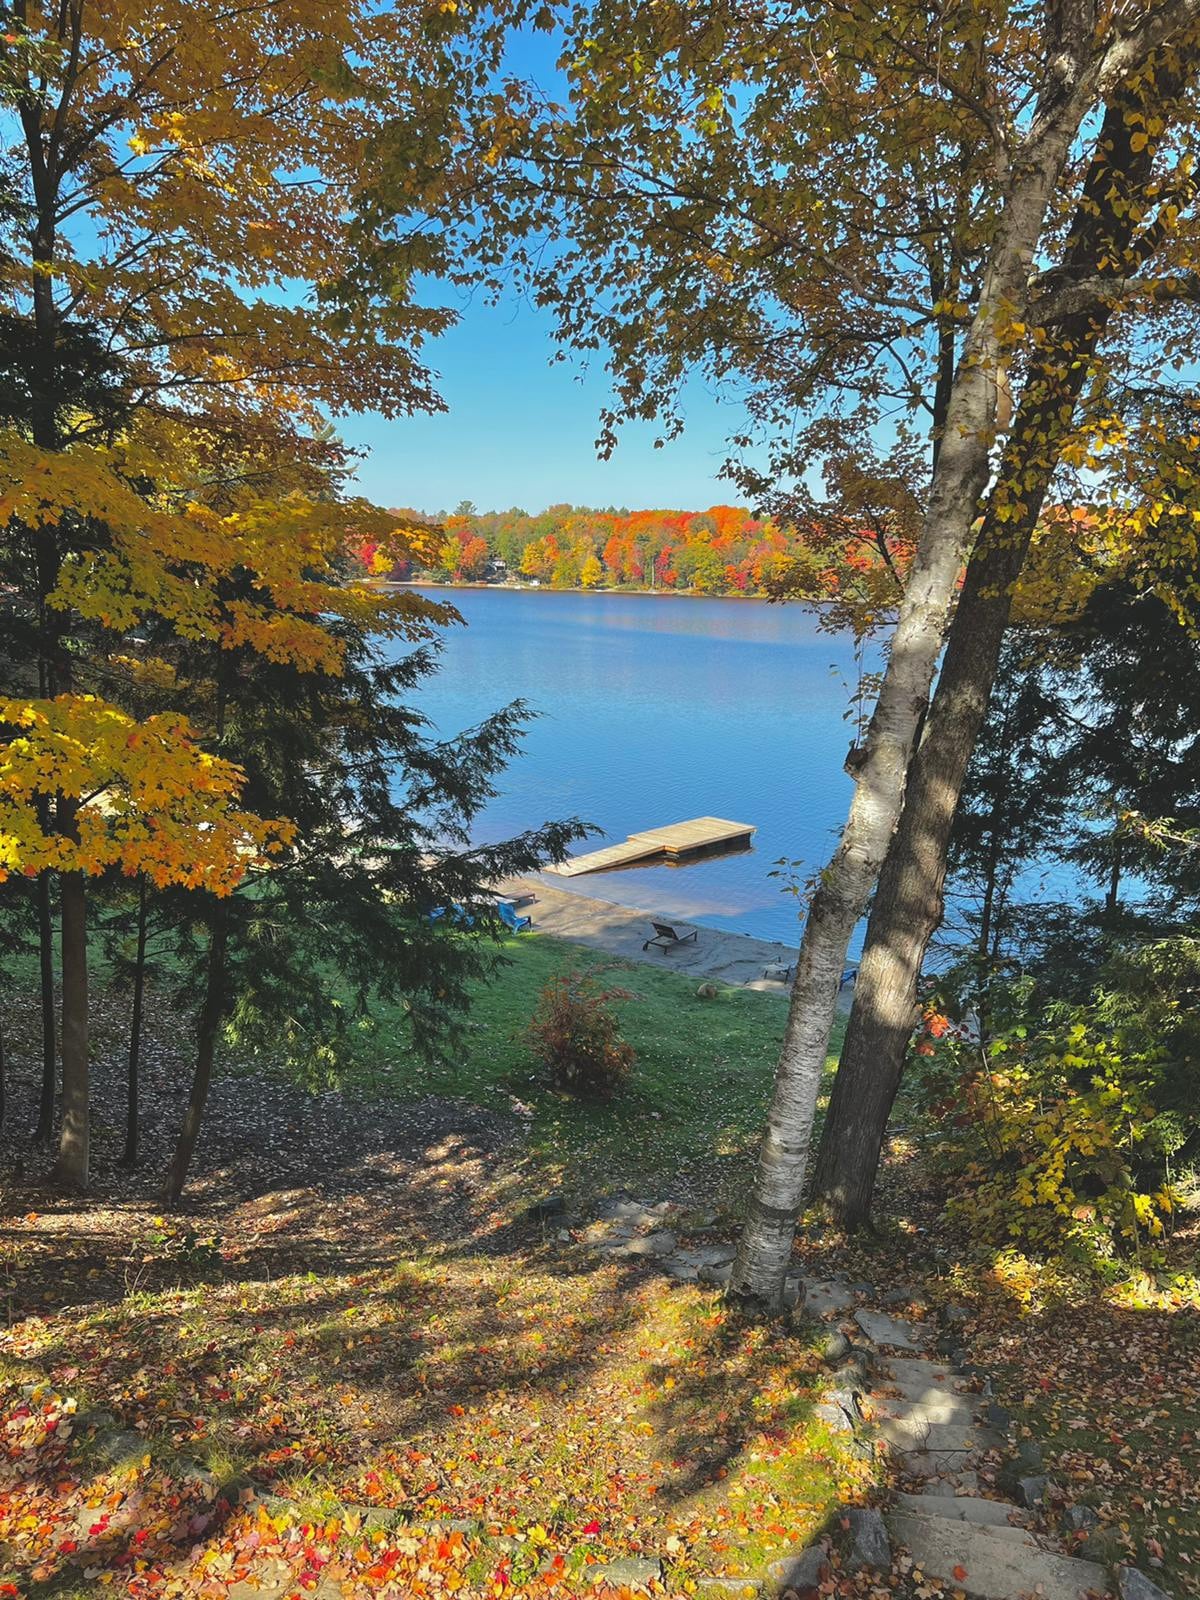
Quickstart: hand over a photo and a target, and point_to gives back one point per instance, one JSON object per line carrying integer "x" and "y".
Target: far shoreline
{"x": 649, "y": 594}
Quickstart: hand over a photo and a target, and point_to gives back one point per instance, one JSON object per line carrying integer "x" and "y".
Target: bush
{"x": 1065, "y": 1134}
{"x": 576, "y": 1035}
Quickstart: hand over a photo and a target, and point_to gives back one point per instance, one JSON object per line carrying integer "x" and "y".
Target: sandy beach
{"x": 732, "y": 958}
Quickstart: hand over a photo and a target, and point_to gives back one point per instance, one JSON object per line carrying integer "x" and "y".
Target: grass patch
{"x": 695, "y": 1102}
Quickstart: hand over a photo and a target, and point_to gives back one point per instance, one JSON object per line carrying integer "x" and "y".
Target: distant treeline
{"x": 724, "y": 550}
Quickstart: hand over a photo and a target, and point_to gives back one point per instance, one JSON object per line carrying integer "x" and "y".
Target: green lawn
{"x": 692, "y": 1110}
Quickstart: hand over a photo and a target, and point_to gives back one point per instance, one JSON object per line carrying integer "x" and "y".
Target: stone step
{"x": 929, "y": 1464}
{"x": 882, "y": 1329}
{"x": 938, "y": 1438}
{"x": 916, "y": 1376}
{"x": 962, "y": 1508}
{"x": 996, "y": 1567}
{"x": 931, "y": 1407}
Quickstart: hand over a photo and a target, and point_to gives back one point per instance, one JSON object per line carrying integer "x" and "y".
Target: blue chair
{"x": 511, "y": 919}
{"x": 460, "y": 914}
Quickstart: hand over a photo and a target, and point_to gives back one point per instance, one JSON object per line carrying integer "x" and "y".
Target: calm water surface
{"x": 654, "y": 710}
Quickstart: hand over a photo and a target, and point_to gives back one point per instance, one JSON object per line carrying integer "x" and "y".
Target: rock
{"x": 954, "y": 1486}
{"x": 563, "y": 1236}
{"x": 917, "y": 1376}
{"x": 1135, "y": 1585}
{"x": 121, "y": 1446}
{"x": 956, "y": 1314}
{"x": 836, "y": 1348}
{"x": 886, "y": 1330}
{"x": 1080, "y": 1518}
{"x": 710, "y": 1255}
{"x": 834, "y": 1416}
{"x": 937, "y": 1438}
{"x": 632, "y": 1572}
{"x": 998, "y": 1416}
{"x": 1027, "y": 1462}
{"x": 992, "y": 1563}
{"x": 380, "y": 1517}
{"x": 715, "y": 1276}
{"x": 854, "y": 1375}
{"x": 650, "y": 1244}
{"x": 272, "y": 1579}
{"x": 846, "y": 1399}
{"x": 550, "y": 1206}
{"x": 1031, "y": 1491}
{"x": 799, "y": 1569}
{"x": 682, "y": 1271}
{"x": 825, "y": 1297}
{"x": 870, "y": 1545}
{"x": 959, "y": 1508}
{"x": 1102, "y": 1544}
{"x": 901, "y": 1297}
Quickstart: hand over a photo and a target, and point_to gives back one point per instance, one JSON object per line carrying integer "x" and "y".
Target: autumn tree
{"x": 845, "y": 210}
{"x": 1109, "y": 309}
{"x": 177, "y": 284}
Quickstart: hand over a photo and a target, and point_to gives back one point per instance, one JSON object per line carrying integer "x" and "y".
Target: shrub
{"x": 576, "y": 1035}
{"x": 1055, "y": 1136}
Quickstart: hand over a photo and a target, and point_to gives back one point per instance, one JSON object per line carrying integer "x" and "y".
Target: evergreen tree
{"x": 294, "y": 961}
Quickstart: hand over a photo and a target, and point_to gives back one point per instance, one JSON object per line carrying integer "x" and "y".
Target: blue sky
{"x": 521, "y": 432}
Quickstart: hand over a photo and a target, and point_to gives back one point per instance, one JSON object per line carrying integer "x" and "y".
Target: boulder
{"x": 1031, "y": 1491}
{"x": 630, "y": 1572}
{"x": 799, "y": 1569}
{"x": 870, "y": 1545}
{"x": 836, "y": 1349}
{"x": 1080, "y": 1518}
{"x": 1135, "y": 1585}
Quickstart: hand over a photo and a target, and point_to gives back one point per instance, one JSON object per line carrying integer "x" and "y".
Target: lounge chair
{"x": 665, "y": 936}
{"x": 511, "y": 918}
{"x": 786, "y": 974}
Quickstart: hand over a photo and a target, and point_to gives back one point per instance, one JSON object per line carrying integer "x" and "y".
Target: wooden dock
{"x": 677, "y": 840}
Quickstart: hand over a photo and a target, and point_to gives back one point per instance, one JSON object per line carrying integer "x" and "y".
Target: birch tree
{"x": 837, "y": 214}
{"x": 1126, "y": 268}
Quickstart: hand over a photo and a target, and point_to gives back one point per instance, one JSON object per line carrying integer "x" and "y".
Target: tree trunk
{"x": 846, "y": 883}
{"x": 45, "y": 917}
{"x": 908, "y": 905}
{"x": 129, "y": 1155}
{"x": 1112, "y": 898}
{"x": 71, "y": 1169}
{"x": 206, "y": 1043}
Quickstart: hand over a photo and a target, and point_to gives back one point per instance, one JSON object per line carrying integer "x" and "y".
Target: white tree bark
{"x": 1077, "y": 74}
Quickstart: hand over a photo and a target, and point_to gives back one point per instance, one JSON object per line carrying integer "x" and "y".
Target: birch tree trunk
{"x": 958, "y": 483}
{"x": 909, "y": 903}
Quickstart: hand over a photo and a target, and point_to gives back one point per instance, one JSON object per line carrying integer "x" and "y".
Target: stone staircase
{"x": 890, "y": 1386}
{"x": 937, "y": 1429}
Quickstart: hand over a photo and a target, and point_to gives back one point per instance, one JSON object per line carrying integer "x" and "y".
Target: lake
{"x": 654, "y": 710}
